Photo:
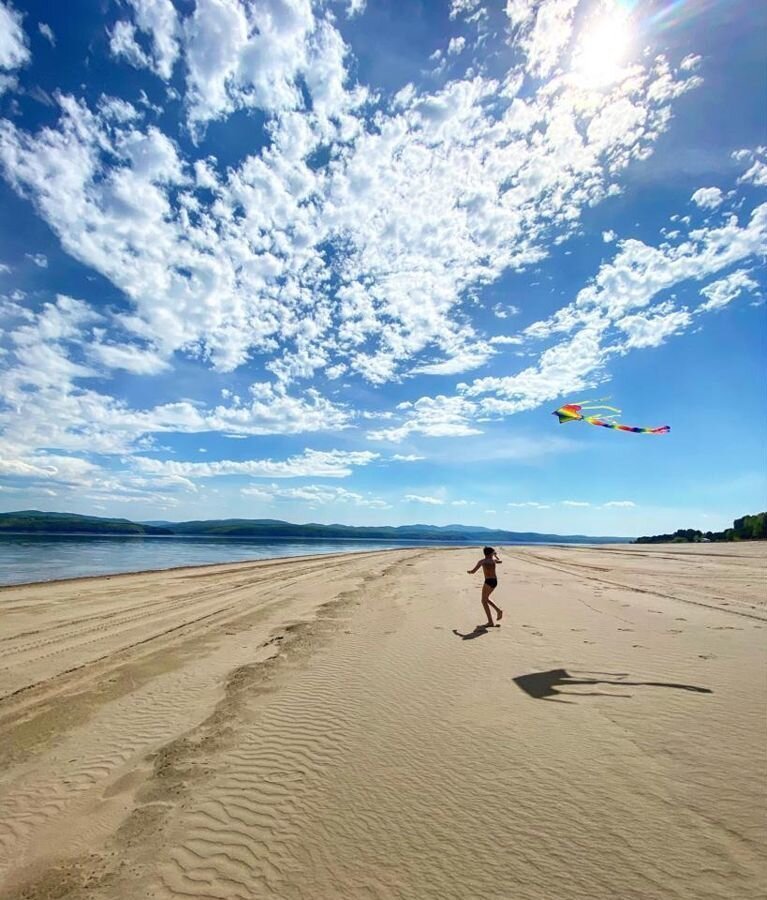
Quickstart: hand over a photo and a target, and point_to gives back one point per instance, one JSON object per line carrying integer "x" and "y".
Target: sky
{"x": 339, "y": 261}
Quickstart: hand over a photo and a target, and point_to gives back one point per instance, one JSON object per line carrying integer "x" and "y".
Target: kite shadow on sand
{"x": 543, "y": 685}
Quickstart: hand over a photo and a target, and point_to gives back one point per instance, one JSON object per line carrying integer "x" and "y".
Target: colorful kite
{"x": 574, "y": 412}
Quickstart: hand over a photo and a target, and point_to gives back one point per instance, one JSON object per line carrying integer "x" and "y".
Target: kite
{"x": 574, "y": 412}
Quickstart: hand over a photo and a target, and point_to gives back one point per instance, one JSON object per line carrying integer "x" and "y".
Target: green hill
{"x": 27, "y": 521}
{"x": 34, "y": 521}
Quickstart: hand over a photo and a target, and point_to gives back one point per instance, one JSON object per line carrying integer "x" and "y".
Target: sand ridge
{"x": 348, "y": 732}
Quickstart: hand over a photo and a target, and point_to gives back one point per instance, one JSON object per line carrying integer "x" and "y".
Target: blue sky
{"x": 338, "y": 262}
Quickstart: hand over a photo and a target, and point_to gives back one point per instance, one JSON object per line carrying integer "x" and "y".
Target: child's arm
{"x": 472, "y": 571}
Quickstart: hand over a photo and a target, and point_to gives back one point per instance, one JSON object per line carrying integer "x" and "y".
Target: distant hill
{"x": 747, "y": 528}
{"x": 26, "y": 521}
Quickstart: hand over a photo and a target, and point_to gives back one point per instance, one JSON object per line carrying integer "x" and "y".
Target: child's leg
{"x": 486, "y": 604}
{"x": 498, "y": 610}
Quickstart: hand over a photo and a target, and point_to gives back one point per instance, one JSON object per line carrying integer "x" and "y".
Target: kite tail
{"x": 604, "y": 423}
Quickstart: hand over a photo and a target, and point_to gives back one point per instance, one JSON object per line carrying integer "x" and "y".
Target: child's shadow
{"x": 478, "y": 632}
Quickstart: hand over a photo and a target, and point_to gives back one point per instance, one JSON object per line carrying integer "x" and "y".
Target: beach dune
{"x": 338, "y": 727}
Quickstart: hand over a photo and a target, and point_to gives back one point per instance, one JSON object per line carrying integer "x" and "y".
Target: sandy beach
{"x": 336, "y": 727}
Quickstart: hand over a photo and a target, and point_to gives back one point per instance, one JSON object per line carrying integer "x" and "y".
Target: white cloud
{"x": 529, "y": 504}
{"x": 420, "y": 498}
{"x": 311, "y": 463}
{"x": 456, "y": 46}
{"x": 355, "y": 7}
{"x": 651, "y": 329}
{"x": 39, "y": 259}
{"x": 157, "y": 19}
{"x": 690, "y": 63}
{"x": 575, "y": 503}
{"x": 14, "y": 49}
{"x": 123, "y": 43}
{"x": 463, "y": 7}
{"x": 548, "y": 36}
{"x": 708, "y": 198}
{"x": 464, "y": 187}
{"x": 408, "y": 457}
{"x": 719, "y": 293}
{"x": 460, "y": 360}
{"x": 623, "y": 504}
{"x": 314, "y": 495}
{"x": 129, "y": 358}
{"x": 756, "y": 174}
{"x": 433, "y": 417}
{"x": 47, "y": 32}
{"x": 608, "y": 236}
{"x": 7, "y": 83}
{"x": 513, "y": 339}
{"x": 504, "y": 310}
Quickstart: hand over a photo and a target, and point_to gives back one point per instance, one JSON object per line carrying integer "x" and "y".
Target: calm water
{"x": 25, "y": 558}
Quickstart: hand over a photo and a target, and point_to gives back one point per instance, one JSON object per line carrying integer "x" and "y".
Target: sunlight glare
{"x": 602, "y": 49}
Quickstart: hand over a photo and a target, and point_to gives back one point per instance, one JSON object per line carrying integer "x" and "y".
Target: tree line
{"x": 746, "y": 528}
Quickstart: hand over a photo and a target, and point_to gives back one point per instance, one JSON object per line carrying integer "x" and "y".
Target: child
{"x": 491, "y": 583}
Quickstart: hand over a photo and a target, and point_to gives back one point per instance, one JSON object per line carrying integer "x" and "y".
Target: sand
{"x": 335, "y": 728}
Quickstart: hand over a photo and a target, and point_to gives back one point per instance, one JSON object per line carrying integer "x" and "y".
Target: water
{"x": 41, "y": 557}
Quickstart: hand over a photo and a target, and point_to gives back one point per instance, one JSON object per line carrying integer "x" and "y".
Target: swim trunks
{"x": 491, "y": 582}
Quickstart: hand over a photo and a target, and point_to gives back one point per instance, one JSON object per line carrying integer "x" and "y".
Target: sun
{"x": 602, "y": 48}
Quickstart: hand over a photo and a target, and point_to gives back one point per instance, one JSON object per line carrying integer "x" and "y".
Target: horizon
{"x": 425, "y": 525}
{"x": 340, "y": 264}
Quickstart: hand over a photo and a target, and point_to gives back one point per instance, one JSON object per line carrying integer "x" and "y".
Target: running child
{"x": 488, "y": 564}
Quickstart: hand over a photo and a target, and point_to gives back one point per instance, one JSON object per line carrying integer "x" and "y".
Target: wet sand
{"x": 336, "y": 727}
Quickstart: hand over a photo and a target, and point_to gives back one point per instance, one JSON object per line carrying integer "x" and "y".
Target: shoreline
{"x": 320, "y": 726}
{"x": 409, "y": 545}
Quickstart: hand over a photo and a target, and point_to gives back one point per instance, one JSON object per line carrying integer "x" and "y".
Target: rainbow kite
{"x": 574, "y": 412}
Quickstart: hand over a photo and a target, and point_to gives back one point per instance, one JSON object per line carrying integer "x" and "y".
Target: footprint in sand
{"x": 680, "y": 619}
{"x": 675, "y": 631}
{"x": 639, "y": 646}
{"x": 589, "y": 642}
{"x": 577, "y": 629}
{"x": 625, "y": 629}
{"x": 706, "y": 656}
{"x": 658, "y": 611}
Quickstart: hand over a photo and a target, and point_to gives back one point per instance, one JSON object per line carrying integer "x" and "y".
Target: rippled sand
{"x": 335, "y": 728}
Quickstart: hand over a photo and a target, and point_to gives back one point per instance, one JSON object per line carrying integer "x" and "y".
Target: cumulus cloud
{"x": 708, "y": 198}
{"x": 622, "y": 504}
{"x": 756, "y": 173}
{"x": 158, "y": 20}
{"x": 720, "y": 293}
{"x": 421, "y": 498}
{"x": 14, "y": 48}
